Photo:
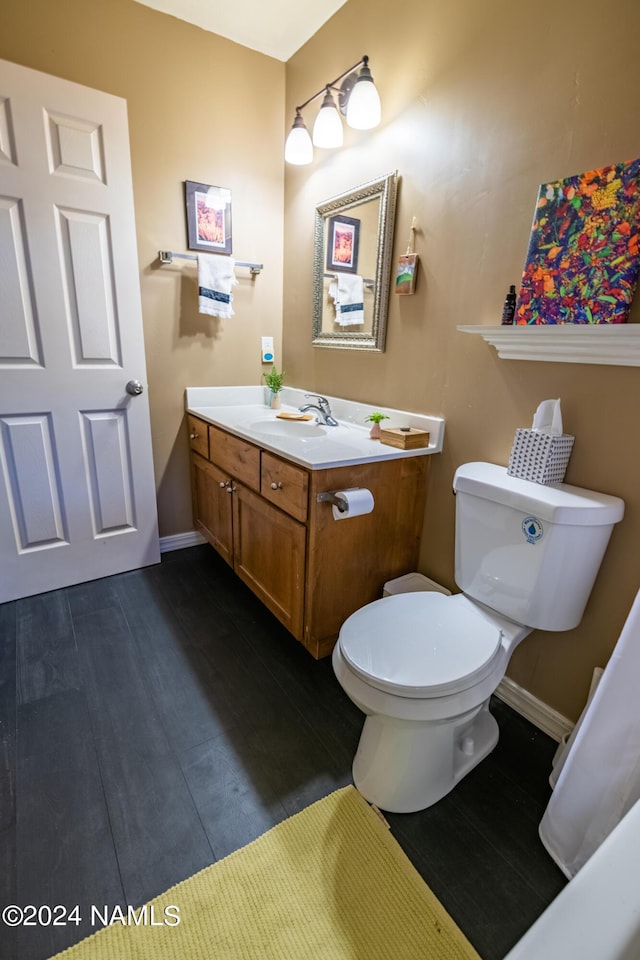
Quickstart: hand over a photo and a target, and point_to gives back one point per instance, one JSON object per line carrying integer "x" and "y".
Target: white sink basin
{"x": 296, "y": 429}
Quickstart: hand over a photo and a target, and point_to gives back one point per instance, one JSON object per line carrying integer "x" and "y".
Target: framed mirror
{"x": 352, "y": 251}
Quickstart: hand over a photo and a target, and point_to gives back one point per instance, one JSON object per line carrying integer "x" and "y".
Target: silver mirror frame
{"x": 385, "y": 188}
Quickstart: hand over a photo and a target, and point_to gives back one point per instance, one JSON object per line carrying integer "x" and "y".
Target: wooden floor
{"x": 155, "y": 721}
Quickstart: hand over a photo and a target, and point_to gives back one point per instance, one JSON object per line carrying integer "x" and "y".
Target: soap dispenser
{"x": 509, "y": 309}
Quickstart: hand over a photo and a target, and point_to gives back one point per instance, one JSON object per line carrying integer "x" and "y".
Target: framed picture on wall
{"x": 406, "y": 274}
{"x": 582, "y": 263}
{"x": 208, "y": 217}
{"x": 342, "y": 244}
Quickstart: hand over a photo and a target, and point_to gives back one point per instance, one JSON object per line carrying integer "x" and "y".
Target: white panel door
{"x": 77, "y": 492}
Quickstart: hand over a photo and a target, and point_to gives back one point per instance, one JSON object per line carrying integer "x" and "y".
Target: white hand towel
{"x": 216, "y": 277}
{"x": 347, "y": 291}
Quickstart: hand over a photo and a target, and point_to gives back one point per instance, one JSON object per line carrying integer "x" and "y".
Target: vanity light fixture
{"x": 363, "y": 108}
{"x": 327, "y": 130}
{"x": 298, "y": 149}
{"x": 357, "y": 99}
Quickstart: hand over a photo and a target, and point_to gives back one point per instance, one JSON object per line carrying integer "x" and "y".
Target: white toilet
{"x": 422, "y": 666}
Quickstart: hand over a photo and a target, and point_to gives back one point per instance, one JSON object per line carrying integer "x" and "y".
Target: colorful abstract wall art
{"x": 583, "y": 259}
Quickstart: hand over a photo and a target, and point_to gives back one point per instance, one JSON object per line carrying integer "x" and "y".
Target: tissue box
{"x": 539, "y": 456}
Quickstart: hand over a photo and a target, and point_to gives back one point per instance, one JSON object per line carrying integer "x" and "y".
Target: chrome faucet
{"x": 323, "y": 409}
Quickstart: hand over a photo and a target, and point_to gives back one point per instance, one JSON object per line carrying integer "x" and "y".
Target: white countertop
{"x": 244, "y": 412}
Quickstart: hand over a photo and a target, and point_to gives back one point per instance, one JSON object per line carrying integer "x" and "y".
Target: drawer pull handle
{"x": 193, "y": 436}
{"x": 277, "y": 486}
{"x": 223, "y": 483}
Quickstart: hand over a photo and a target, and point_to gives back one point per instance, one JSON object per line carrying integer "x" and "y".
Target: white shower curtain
{"x": 600, "y": 776}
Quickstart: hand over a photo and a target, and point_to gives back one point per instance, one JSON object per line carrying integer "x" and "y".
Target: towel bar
{"x": 367, "y": 282}
{"x": 166, "y": 256}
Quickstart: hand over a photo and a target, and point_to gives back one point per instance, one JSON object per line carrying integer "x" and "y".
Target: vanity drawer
{"x": 241, "y": 460}
{"x": 285, "y": 485}
{"x": 198, "y": 436}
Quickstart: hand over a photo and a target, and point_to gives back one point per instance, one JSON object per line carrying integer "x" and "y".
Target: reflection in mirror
{"x": 353, "y": 245}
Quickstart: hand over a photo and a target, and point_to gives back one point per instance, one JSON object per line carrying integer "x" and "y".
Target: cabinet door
{"x": 212, "y": 511}
{"x": 269, "y": 556}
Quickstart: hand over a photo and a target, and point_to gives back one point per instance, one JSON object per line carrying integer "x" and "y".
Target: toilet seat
{"x": 421, "y": 645}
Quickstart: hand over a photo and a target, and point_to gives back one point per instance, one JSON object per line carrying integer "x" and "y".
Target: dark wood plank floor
{"x": 153, "y": 722}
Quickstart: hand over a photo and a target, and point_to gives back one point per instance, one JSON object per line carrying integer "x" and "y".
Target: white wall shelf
{"x": 616, "y": 344}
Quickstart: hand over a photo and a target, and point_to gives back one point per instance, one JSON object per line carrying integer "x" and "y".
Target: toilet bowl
{"x": 422, "y": 666}
{"x": 425, "y": 694}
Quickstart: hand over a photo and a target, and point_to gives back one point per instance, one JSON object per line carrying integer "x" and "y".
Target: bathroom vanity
{"x": 257, "y": 486}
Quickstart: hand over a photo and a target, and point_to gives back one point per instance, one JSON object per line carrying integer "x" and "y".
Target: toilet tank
{"x": 529, "y": 551}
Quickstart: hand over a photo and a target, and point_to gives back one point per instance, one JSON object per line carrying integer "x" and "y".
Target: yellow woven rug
{"x": 330, "y": 883}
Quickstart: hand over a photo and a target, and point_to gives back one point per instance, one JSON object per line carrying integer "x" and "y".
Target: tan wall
{"x": 197, "y": 111}
{"x": 482, "y": 102}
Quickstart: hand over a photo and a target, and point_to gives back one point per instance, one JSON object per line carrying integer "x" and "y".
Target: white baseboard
{"x": 538, "y": 713}
{"x": 180, "y": 540}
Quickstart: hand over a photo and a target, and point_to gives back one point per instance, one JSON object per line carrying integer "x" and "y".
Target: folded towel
{"x": 215, "y": 278}
{"x": 347, "y": 291}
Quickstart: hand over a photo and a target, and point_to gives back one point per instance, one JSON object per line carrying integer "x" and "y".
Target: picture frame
{"x": 406, "y": 272}
{"x": 208, "y": 218}
{"x": 582, "y": 263}
{"x": 343, "y": 237}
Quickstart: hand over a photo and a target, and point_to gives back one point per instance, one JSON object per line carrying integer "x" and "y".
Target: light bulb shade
{"x": 363, "y": 109}
{"x": 298, "y": 149}
{"x": 327, "y": 130}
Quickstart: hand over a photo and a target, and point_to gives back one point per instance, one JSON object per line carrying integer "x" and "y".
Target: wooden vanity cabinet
{"x": 264, "y": 545}
{"x": 262, "y": 515}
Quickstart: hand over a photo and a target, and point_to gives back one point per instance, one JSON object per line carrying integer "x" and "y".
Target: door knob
{"x": 135, "y": 388}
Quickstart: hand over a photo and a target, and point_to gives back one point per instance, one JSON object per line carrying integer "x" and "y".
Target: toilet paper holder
{"x": 330, "y": 497}
{"x": 349, "y": 502}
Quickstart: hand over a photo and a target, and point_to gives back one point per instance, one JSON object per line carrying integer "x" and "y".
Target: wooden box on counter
{"x": 404, "y": 438}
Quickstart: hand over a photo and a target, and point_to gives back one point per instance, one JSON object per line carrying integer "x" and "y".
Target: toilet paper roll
{"x": 356, "y": 503}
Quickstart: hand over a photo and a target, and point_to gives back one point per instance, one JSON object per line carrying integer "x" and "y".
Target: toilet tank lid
{"x": 556, "y": 503}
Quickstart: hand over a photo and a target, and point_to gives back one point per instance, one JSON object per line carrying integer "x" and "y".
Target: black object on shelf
{"x": 509, "y": 309}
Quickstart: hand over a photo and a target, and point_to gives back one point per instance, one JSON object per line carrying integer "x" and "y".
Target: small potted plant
{"x": 374, "y": 419}
{"x": 274, "y": 381}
